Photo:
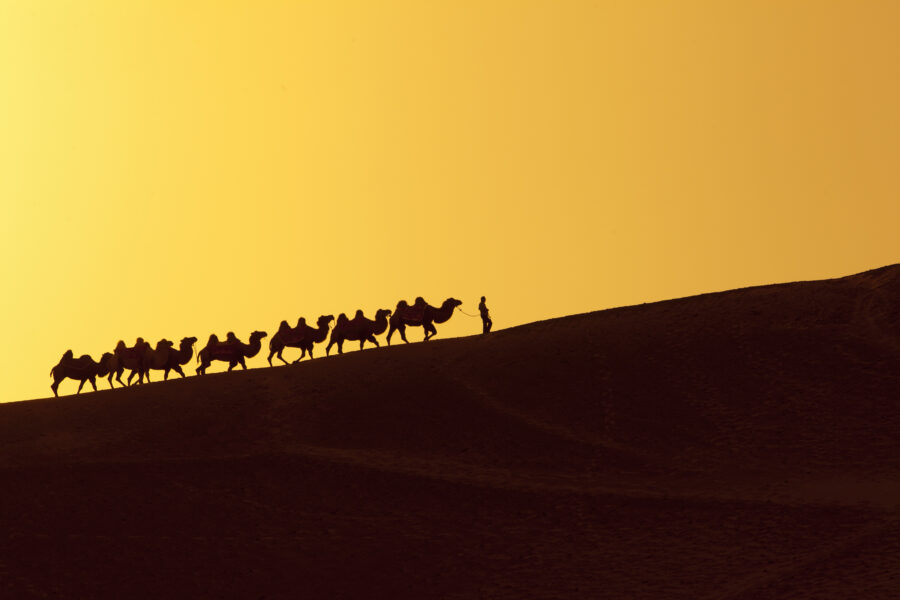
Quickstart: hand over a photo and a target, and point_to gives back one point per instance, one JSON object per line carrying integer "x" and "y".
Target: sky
{"x": 172, "y": 168}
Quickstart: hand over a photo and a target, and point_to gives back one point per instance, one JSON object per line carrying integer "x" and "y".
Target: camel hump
{"x": 68, "y": 355}
{"x": 213, "y": 339}
{"x": 342, "y": 319}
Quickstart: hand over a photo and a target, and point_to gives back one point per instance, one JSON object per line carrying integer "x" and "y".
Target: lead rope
{"x": 464, "y": 312}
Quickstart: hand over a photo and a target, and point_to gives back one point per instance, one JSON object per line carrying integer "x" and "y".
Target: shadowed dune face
{"x": 733, "y": 445}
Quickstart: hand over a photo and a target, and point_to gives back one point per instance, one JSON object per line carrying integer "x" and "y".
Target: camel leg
{"x": 390, "y": 333}
{"x": 55, "y": 386}
{"x": 131, "y": 376}
{"x": 243, "y": 364}
{"x": 372, "y": 339}
{"x": 310, "y": 349}
{"x": 166, "y": 374}
{"x": 178, "y": 370}
{"x": 402, "y": 330}
{"x": 328, "y": 347}
{"x": 281, "y": 358}
{"x": 94, "y": 383}
{"x": 80, "y": 385}
{"x": 119, "y": 376}
{"x": 109, "y": 379}
{"x": 148, "y": 375}
{"x": 271, "y": 354}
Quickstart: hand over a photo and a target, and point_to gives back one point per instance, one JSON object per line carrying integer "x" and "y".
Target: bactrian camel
{"x": 420, "y": 314}
{"x": 358, "y": 329}
{"x": 302, "y": 336}
{"x": 82, "y": 368}
{"x": 233, "y": 353}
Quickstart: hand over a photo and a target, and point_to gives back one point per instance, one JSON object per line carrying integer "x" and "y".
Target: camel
{"x": 82, "y": 368}
{"x": 232, "y": 352}
{"x": 131, "y": 358}
{"x": 286, "y": 337}
{"x": 317, "y": 335}
{"x": 157, "y": 358}
{"x": 175, "y": 358}
{"x": 302, "y": 336}
{"x": 111, "y": 366}
{"x": 420, "y": 314}
{"x": 360, "y": 328}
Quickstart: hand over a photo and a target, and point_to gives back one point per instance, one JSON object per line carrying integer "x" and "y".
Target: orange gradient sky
{"x": 172, "y": 168}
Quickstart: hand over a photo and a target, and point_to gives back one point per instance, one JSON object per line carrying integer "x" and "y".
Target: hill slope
{"x": 741, "y": 444}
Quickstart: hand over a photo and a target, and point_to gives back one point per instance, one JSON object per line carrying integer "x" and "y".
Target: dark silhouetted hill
{"x": 743, "y": 444}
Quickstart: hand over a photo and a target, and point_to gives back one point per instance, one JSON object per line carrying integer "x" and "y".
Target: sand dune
{"x": 743, "y": 444}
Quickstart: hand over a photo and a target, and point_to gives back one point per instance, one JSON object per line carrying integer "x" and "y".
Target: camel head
{"x": 188, "y": 342}
{"x": 452, "y": 303}
{"x": 257, "y": 335}
{"x": 301, "y": 322}
{"x": 324, "y": 321}
{"x": 382, "y": 313}
{"x": 164, "y": 343}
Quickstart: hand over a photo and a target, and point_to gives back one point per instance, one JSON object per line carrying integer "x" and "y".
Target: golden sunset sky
{"x": 174, "y": 168}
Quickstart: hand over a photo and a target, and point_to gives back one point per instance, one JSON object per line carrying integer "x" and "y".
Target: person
{"x": 486, "y": 322}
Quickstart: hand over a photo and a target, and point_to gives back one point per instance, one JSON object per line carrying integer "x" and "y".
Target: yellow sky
{"x": 172, "y": 168}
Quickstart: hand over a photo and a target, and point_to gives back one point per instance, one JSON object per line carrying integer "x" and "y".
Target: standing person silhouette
{"x": 486, "y": 322}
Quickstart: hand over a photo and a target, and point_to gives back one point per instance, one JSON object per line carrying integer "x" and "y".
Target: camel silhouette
{"x": 132, "y": 359}
{"x": 302, "y": 336}
{"x": 422, "y": 315}
{"x": 359, "y": 328}
{"x": 314, "y": 335}
{"x": 157, "y": 358}
{"x": 233, "y": 353}
{"x": 286, "y": 337}
{"x": 82, "y": 368}
{"x": 175, "y": 359}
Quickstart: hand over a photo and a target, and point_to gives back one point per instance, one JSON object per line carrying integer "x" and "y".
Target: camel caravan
{"x": 142, "y": 358}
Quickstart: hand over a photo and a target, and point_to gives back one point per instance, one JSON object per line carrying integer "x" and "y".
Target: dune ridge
{"x": 739, "y": 444}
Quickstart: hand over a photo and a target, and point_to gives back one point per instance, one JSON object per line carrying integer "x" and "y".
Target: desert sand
{"x": 743, "y": 444}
